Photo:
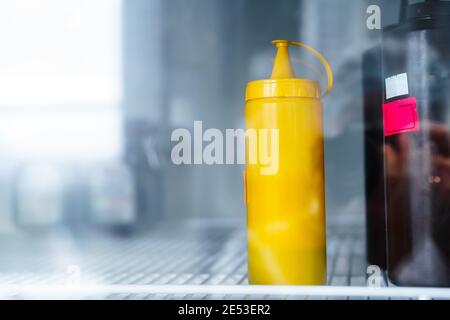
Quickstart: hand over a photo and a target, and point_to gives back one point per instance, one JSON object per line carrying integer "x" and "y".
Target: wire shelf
{"x": 192, "y": 263}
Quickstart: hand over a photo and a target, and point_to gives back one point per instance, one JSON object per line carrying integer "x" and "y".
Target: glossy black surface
{"x": 373, "y": 152}
{"x": 418, "y": 164}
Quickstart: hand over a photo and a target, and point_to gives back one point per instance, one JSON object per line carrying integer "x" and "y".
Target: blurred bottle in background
{"x": 50, "y": 197}
{"x": 7, "y": 223}
{"x": 143, "y": 167}
{"x": 39, "y": 196}
{"x": 112, "y": 197}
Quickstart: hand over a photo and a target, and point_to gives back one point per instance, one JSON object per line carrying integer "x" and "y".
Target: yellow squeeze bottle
{"x": 286, "y": 206}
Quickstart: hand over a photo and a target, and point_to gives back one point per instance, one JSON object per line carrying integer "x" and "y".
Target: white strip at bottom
{"x": 63, "y": 291}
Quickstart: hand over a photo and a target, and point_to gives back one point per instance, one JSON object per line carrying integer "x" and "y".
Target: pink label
{"x": 400, "y": 117}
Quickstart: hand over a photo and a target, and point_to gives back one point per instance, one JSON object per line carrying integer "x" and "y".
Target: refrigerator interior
{"x": 91, "y": 203}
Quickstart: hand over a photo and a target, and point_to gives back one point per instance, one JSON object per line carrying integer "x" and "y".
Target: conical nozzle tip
{"x": 282, "y": 68}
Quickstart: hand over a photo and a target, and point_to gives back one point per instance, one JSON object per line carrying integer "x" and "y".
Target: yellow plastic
{"x": 282, "y": 68}
{"x": 286, "y": 210}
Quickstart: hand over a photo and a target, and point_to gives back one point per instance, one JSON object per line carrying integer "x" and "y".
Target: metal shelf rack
{"x": 192, "y": 262}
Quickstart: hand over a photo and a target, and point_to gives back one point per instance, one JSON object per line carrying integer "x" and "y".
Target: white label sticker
{"x": 397, "y": 86}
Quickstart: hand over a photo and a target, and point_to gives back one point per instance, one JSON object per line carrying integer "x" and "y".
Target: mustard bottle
{"x": 286, "y": 205}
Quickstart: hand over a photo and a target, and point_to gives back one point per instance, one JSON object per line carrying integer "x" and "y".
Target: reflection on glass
{"x": 418, "y": 176}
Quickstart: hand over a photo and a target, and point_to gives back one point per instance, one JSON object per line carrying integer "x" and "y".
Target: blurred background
{"x": 90, "y": 92}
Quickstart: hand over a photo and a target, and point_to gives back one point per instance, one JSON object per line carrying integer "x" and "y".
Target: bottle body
{"x": 286, "y": 209}
{"x": 374, "y": 159}
{"x": 417, "y": 171}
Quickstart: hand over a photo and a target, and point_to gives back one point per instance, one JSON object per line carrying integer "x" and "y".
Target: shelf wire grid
{"x": 176, "y": 263}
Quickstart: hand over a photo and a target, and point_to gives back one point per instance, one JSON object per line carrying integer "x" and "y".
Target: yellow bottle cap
{"x": 282, "y": 68}
{"x": 283, "y": 82}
